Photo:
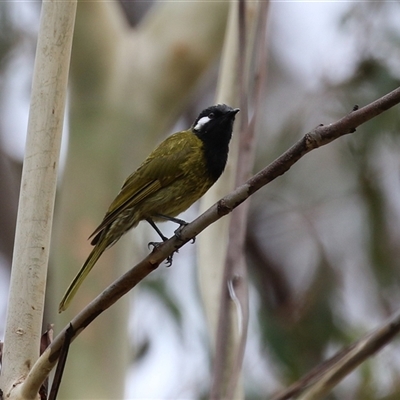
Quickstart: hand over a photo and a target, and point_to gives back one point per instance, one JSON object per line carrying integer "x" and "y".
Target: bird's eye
{"x": 211, "y": 115}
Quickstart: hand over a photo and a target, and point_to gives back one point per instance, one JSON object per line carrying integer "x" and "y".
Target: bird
{"x": 174, "y": 176}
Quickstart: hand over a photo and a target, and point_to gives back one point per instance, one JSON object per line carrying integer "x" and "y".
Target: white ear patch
{"x": 201, "y": 122}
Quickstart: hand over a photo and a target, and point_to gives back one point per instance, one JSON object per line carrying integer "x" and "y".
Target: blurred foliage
{"x": 8, "y": 33}
{"x": 355, "y": 179}
{"x": 10, "y": 169}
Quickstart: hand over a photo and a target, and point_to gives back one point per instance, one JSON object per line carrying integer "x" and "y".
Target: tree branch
{"x": 320, "y": 381}
{"x": 318, "y": 137}
{"x": 37, "y": 195}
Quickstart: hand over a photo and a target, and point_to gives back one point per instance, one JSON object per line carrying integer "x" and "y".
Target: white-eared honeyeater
{"x": 176, "y": 174}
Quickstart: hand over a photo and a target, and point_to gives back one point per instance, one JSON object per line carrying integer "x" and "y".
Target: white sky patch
{"x": 310, "y": 41}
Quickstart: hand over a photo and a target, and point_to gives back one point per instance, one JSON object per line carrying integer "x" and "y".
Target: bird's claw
{"x": 154, "y": 244}
{"x": 168, "y": 261}
{"x": 158, "y": 244}
{"x": 178, "y": 232}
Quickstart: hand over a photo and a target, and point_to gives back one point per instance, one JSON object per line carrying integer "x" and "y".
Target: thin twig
{"x": 61, "y": 363}
{"x": 319, "y": 381}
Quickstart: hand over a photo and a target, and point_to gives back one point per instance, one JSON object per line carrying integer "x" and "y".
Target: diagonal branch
{"x": 318, "y": 137}
{"x": 320, "y": 381}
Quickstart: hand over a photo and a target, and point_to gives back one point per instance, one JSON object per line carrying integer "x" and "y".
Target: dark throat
{"x": 216, "y": 154}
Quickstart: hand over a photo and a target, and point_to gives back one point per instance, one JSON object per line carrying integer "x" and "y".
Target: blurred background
{"x": 323, "y": 240}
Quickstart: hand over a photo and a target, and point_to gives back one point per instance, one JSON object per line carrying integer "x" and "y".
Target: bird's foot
{"x": 155, "y": 245}
{"x": 158, "y": 244}
{"x": 178, "y": 232}
{"x": 178, "y": 221}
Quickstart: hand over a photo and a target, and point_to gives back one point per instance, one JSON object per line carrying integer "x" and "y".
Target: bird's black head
{"x": 214, "y": 128}
{"x": 214, "y": 121}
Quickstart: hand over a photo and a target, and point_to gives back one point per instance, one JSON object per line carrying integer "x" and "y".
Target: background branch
{"x": 212, "y": 247}
{"x": 233, "y": 305}
{"x": 322, "y": 379}
{"x": 37, "y": 195}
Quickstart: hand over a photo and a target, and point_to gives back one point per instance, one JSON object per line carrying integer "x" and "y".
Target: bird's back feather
{"x": 166, "y": 164}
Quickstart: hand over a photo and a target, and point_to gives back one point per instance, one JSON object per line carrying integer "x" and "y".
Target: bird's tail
{"x": 82, "y": 274}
